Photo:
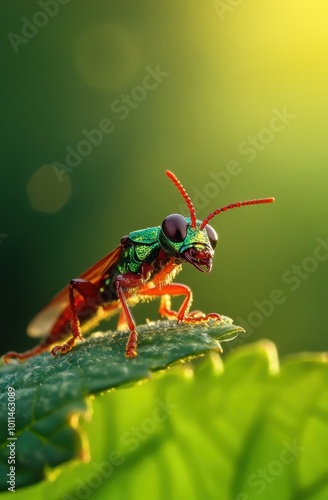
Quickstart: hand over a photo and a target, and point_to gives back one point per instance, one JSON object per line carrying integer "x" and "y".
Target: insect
{"x": 141, "y": 267}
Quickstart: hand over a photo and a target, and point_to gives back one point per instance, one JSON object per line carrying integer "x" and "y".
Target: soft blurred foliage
{"x": 227, "y": 69}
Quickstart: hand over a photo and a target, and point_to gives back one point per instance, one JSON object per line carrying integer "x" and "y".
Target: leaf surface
{"x": 50, "y": 392}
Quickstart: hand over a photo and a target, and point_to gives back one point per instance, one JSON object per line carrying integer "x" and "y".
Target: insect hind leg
{"x": 90, "y": 293}
{"x": 25, "y": 355}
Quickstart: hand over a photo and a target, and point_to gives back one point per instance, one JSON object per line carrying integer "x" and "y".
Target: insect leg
{"x": 24, "y": 355}
{"x": 175, "y": 289}
{"x": 90, "y": 293}
{"x": 167, "y": 291}
{"x": 128, "y": 282}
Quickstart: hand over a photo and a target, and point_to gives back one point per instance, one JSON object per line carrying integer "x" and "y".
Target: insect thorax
{"x": 139, "y": 247}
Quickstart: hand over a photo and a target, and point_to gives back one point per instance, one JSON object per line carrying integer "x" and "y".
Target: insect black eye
{"x": 175, "y": 228}
{"x": 212, "y": 236}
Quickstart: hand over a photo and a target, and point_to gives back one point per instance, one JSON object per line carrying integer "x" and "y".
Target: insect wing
{"x": 43, "y": 322}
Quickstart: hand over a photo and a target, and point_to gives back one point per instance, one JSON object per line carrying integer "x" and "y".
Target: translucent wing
{"x": 43, "y": 322}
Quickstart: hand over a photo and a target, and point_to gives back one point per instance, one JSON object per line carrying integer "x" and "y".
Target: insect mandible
{"x": 142, "y": 266}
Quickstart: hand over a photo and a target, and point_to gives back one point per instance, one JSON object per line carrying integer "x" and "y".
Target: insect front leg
{"x": 90, "y": 293}
{"x": 173, "y": 290}
{"x": 167, "y": 291}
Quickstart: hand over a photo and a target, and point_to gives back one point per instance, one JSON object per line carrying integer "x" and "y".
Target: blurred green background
{"x": 225, "y": 70}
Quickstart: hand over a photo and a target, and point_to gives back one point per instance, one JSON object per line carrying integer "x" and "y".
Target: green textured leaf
{"x": 49, "y": 392}
{"x": 244, "y": 430}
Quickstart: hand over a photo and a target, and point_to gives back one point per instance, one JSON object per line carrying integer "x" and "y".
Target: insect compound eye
{"x": 212, "y": 236}
{"x": 175, "y": 228}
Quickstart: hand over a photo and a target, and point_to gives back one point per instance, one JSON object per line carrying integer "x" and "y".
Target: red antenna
{"x": 182, "y": 190}
{"x": 234, "y": 205}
